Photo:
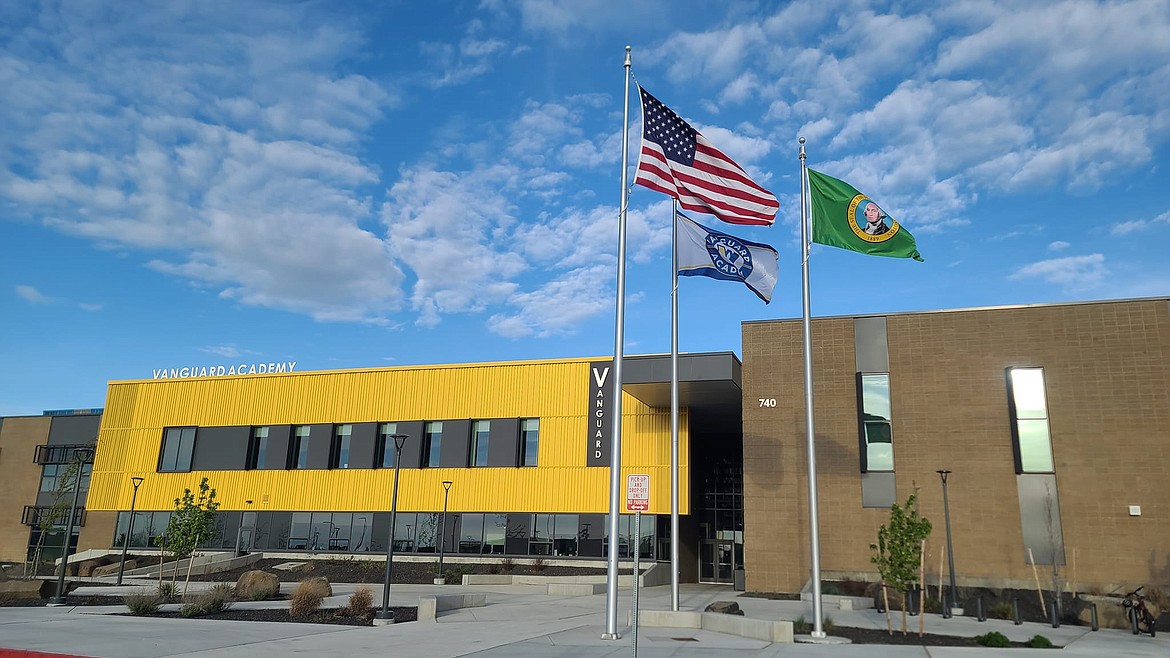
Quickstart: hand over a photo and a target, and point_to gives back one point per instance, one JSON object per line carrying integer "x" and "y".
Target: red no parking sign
{"x": 637, "y": 493}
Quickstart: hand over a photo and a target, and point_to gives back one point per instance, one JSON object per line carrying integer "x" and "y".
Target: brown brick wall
{"x": 1107, "y": 373}
{"x": 20, "y": 478}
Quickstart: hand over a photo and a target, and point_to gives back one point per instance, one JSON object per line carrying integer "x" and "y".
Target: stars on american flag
{"x": 668, "y": 129}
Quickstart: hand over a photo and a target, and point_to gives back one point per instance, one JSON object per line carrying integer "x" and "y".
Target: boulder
{"x": 112, "y": 569}
{"x": 18, "y": 590}
{"x": 724, "y": 607}
{"x": 254, "y": 581}
{"x": 319, "y": 584}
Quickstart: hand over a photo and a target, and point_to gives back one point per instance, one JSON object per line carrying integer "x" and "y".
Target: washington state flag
{"x": 843, "y": 217}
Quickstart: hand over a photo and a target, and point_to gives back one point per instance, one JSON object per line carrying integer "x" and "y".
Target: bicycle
{"x": 1139, "y": 616}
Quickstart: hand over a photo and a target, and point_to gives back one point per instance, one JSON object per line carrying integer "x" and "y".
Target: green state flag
{"x": 843, "y": 217}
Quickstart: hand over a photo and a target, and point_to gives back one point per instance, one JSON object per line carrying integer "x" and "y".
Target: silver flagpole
{"x": 674, "y": 408}
{"x": 813, "y": 524}
{"x": 615, "y": 448}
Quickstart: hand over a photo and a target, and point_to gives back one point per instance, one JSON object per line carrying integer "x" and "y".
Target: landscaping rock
{"x": 319, "y": 584}
{"x": 252, "y": 582}
{"x": 111, "y": 569}
{"x": 725, "y": 608}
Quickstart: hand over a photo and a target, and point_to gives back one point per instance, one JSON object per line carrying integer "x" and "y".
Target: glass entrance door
{"x": 717, "y": 561}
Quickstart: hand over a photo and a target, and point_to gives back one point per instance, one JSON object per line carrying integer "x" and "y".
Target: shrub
{"x": 142, "y": 603}
{"x": 538, "y": 564}
{"x": 993, "y": 639}
{"x": 191, "y": 610}
{"x": 306, "y": 599}
{"x": 361, "y": 602}
{"x": 262, "y": 594}
{"x": 801, "y": 626}
{"x": 1039, "y": 642}
{"x": 1001, "y": 610}
{"x": 167, "y": 592}
{"x": 217, "y": 599}
{"x": 932, "y": 605}
{"x": 507, "y": 564}
{"x": 493, "y": 568}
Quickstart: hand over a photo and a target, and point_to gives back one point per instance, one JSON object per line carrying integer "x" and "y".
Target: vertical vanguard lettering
{"x": 600, "y": 406}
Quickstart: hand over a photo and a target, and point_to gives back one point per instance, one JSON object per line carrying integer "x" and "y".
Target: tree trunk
{"x": 886, "y": 598}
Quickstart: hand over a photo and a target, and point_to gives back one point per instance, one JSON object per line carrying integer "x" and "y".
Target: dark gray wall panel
{"x": 320, "y": 440}
{"x": 504, "y": 442}
{"x": 869, "y": 344}
{"x": 362, "y": 443}
{"x": 1040, "y": 518}
{"x": 456, "y": 442}
{"x": 72, "y": 430}
{"x": 276, "y": 454}
{"x": 878, "y": 489}
{"x": 220, "y": 448}
{"x": 412, "y": 449}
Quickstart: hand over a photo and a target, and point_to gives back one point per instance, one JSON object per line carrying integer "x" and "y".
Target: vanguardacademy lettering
{"x": 224, "y": 371}
{"x": 600, "y": 410}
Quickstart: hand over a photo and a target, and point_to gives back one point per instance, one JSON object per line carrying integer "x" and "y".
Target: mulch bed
{"x": 324, "y": 616}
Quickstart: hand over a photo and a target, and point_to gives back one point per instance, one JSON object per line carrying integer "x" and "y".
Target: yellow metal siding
{"x": 556, "y": 392}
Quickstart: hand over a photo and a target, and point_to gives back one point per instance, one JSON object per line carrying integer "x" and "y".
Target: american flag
{"x": 678, "y": 161}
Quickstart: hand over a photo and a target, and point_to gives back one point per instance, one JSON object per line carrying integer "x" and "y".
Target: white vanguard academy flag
{"x": 704, "y": 252}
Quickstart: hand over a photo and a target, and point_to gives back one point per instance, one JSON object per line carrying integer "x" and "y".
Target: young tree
{"x": 55, "y": 515}
{"x": 898, "y": 550}
{"x": 192, "y": 522}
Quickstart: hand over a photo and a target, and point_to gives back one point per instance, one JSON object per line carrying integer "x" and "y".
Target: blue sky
{"x": 367, "y": 184}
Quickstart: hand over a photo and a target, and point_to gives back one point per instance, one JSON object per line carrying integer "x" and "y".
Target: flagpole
{"x": 813, "y": 524}
{"x": 615, "y": 448}
{"x": 674, "y": 408}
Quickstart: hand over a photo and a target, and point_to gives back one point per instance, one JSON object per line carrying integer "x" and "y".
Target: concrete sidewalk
{"x": 518, "y": 621}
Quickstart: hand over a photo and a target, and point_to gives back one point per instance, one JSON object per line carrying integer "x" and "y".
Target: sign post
{"x": 637, "y": 501}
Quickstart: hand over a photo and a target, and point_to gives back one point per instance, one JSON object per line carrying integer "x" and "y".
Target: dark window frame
{"x": 863, "y": 423}
{"x": 1014, "y": 421}
{"x": 522, "y": 457}
{"x": 340, "y": 444}
{"x": 257, "y": 448}
{"x": 180, "y": 450}
{"x": 474, "y": 449}
{"x": 296, "y": 446}
{"x": 431, "y": 454}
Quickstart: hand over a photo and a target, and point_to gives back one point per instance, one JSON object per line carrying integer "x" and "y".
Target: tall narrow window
{"x": 876, "y": 434}
{"x": 432, "y": 443}
{"x": 1028, "y": 406}
{"x": 480, "y": 430}
{"x": 298, "y": 449}
{"x": 257, "y": 447}
{"x": 177, "y": 447}
{"x": 529, "y": 441}
{"x": 385, "y": 448}
{"x": 339, "y": 450}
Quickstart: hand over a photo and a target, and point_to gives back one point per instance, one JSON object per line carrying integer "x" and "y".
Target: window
{"x": 257, "y": 447}
{"x": 1028, "y": 406}
{"x": 471, "y": 534}
{"x": 339, "y": 450}
{"x": 432, "y": 443}
{"x": 298, "y": 449}
{"x": 177, "y": 447}
{"x": 529, "y": 441}
{"x": 385, "y": 448}
{"x": 479, "y": 443}
{"x": 876, "y": 435}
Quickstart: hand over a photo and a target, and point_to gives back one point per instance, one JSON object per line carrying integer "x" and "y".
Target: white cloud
{"x": 1125, "y": 228}
{"x": 226, "y": 351}
{"x": 1072, "y": 271}
{"x": 1058, "y": 245}
{"x": 31, "y": 295}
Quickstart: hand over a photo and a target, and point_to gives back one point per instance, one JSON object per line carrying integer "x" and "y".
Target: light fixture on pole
{"x": 383, "y": 616}
{"x": 441, "y": 578}
{"x": 126, "y": 544}
{"x": 81, "y": 456}
{"x": 948, "y": 607}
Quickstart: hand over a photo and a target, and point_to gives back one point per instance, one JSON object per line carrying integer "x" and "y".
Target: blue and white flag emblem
{"x": 704, "y": 252}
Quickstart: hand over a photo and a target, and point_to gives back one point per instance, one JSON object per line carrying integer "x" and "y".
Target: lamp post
{"x": 948, "y": 609}
{"x": 81, "y": 456}
{"x": 441, "y": 578}
{"x": 383, "y": 616}
{"x": 130, "y": 529}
